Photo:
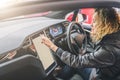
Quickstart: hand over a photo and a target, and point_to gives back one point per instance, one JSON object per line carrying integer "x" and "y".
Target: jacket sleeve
{"x": 100, "y": 58}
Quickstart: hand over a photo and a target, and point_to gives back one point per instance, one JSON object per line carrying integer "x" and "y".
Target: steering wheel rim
{"x": 84, "y": 44}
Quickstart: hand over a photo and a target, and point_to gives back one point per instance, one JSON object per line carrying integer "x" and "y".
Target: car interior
{"x": 24, "y": 57}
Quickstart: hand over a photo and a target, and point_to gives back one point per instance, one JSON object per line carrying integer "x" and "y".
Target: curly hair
{"x": 107, "y": 22}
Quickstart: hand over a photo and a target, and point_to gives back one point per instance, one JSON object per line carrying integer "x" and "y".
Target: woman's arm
{"x": 100, "y": 58}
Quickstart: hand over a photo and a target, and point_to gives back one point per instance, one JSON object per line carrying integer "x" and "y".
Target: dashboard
{"x": 31, "y": 45}
{"x": 23, "y": 44}
{"x": 36, "y": 52}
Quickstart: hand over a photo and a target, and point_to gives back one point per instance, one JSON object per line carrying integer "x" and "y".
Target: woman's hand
{"x": 48, "y": 43}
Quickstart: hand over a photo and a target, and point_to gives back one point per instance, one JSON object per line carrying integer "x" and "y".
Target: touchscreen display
{"x": 56, "y": 30}
{"x": 43, "y": 53}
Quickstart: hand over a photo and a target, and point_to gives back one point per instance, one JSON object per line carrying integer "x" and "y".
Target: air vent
{"x": 26, "y": 43}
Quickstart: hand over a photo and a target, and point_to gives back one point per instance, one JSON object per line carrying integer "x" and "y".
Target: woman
{"x": 106, "y": 55}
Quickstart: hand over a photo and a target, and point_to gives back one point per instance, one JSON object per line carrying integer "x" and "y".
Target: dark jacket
{"x": 105, "y": 57}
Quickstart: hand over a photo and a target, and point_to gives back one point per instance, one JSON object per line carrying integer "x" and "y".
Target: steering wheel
{"x": 76, "y": 38}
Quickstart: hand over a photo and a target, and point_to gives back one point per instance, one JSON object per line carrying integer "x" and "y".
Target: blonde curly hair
{"x": 107, "y": 22}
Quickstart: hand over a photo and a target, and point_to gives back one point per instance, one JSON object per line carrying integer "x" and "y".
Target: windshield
{"x": 28, "y": 16}
{"x": 6, "y": 3}
{"x": 19, "y": 9}
{"x": 14, "y": 9}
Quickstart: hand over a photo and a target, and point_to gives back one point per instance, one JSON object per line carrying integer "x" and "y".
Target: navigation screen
{"x": 43, "y": 53}
{"x": 56, "y": 30}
